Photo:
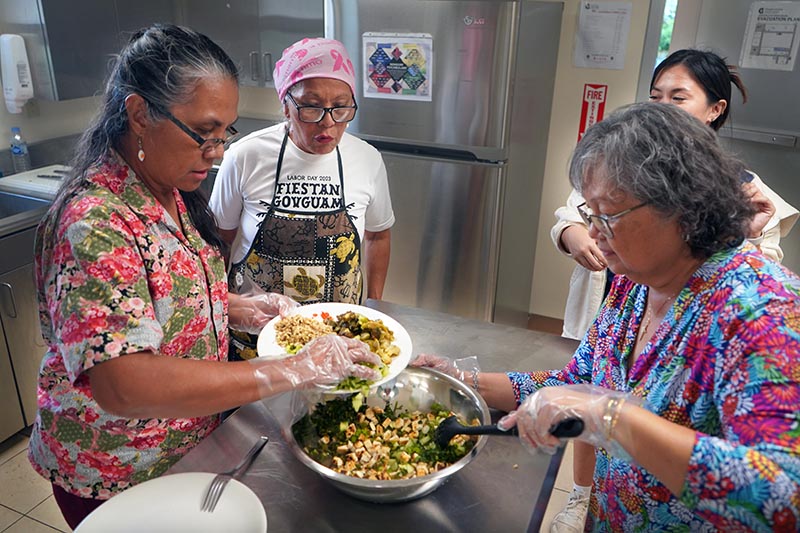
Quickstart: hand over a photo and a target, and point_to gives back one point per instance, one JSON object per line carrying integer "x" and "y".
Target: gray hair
{"x": 163, "y": 64}
{"x": 661, "y": 155}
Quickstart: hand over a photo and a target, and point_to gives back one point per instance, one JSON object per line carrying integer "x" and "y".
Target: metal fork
{"x": 221, "y": 480}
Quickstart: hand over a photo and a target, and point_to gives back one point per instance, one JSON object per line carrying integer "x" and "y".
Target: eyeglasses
{"x": 206, "y": 145}
{"x": 313, "y": 114}
{"x": 603, "y": 222}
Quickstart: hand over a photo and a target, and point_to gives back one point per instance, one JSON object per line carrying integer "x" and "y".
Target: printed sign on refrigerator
{"x": 398, "y": 65}
{"x": 594, "y": 104}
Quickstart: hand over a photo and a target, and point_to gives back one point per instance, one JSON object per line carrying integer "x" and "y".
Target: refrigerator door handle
{"x": 254, "y": 67}
{"x": 436, "y": 152}
{"x": 11, "y": 309}
{"x": 267, "y": 66}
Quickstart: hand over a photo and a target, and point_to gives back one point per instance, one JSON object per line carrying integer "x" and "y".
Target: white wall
{"x": 263, "y": 103}
{"x": 551, "y": 269}
{"x": 43, "y": 119}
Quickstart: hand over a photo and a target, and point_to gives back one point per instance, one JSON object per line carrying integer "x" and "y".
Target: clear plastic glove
{"x": 599, "y": 409}
{"x": 326, "y": 360}
{"x": 462, "y": 369}
{"x": 253, "y": 308}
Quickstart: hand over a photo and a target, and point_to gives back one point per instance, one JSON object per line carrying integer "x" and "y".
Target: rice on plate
{"x": 295, "y": 331}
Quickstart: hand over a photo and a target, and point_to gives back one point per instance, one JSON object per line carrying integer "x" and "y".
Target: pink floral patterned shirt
{"x": 116, "y": 276}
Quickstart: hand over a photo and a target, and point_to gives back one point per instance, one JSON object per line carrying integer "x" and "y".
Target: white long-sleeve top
{"x": 586, "y": 287}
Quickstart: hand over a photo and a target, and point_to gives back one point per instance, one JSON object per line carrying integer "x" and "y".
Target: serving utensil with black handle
{"x": 450, "y": 427}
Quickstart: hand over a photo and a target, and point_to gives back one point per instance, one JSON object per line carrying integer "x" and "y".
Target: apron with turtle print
{"x": 310, "y": 256}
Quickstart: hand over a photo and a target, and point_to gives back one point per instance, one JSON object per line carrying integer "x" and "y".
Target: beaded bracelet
{"x": 611, "y": 415}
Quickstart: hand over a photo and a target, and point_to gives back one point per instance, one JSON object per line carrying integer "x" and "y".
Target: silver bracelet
{"x": 475, "y": 380}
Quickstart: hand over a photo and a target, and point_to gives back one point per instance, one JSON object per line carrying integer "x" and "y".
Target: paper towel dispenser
{"x": 16, "y": 72}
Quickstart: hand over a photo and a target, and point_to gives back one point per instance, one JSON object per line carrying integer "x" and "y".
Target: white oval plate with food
{"x": 268, "y": 348}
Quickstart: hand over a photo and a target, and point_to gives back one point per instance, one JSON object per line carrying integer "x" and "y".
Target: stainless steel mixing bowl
{"x": 416, "y": 389}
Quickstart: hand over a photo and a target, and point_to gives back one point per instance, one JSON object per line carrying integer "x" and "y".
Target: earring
{"x": 140, "y": 154}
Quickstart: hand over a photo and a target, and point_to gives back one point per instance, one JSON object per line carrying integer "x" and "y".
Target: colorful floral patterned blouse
{"x": 725, "y": 362}
{"x": 121, "y": 278}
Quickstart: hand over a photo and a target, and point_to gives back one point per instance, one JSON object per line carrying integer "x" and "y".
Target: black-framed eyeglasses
{"x": 603, "y": 222}
{"x": 313, "y": 114}
{"x": 205, "y": 144}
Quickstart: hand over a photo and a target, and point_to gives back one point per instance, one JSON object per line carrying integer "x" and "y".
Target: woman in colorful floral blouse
{"x": 133, "y": 296}
{"x": 688, "y": 381}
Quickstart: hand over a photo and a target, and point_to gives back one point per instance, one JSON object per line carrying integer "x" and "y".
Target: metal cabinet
{"x": 255, "y": 32}
{"x": 70, "y": 44}
{"x": 11, "y": 419}
{"x": 19, "y": 313}
{"x": 21, "y": 345}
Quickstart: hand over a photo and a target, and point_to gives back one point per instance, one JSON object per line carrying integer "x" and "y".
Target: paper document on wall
{"x": 602, "y": 37}
{"x": 771, "y": 36}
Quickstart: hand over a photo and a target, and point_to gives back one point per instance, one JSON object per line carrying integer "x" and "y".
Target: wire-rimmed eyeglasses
{"x": 313, "y": 114}
{"x": 205, "y": 144}
{"x": 603, "y": 222}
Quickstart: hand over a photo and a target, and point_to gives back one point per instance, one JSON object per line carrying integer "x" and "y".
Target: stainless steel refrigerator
{"x": 464, "y": 139}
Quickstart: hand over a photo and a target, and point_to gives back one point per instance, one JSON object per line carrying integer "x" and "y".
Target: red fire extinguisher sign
{"x": 594, "y": 103}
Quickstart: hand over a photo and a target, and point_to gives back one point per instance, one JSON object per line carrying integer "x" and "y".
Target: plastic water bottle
{"x": 19, "y": 151}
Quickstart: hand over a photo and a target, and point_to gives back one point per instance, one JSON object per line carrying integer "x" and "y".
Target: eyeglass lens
{"x": 599, "y": 222}
{"x": 210, "y": 144}
{"x": 308, "y": 113}
{"x": 316, "y": 114}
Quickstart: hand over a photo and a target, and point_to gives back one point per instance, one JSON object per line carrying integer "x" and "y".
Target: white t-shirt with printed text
{"x": 245, "y": 184}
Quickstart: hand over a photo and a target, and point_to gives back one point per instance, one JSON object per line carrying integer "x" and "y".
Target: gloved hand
{"x": 599, "y": 408}
{"x": 325, "y": 360}
{"x": 253, "y": 308}
{"x": 462, "y": 369}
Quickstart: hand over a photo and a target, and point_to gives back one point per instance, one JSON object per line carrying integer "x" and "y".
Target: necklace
{"x": 648, "y": 315}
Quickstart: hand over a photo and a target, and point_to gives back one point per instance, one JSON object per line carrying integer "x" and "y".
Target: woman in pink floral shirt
{"x": 133, "y": 296}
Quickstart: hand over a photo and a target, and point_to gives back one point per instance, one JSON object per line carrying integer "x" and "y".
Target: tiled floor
{"x": 27, "y": 505}
{"x": 26, "y": 499}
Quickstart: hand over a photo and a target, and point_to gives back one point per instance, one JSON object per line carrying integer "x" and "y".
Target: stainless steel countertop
{"x": 504, "y": 489}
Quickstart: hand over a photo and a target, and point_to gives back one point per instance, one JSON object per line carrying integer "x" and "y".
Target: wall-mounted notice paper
{"x": 771, "y": 36}
{"x": 602, "y": 36}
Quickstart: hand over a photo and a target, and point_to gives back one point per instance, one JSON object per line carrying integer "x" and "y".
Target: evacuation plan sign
{"x": 772, "y": 36}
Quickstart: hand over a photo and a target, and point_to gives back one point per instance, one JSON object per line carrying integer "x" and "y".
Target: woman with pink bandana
{"x": 297, "y": 199}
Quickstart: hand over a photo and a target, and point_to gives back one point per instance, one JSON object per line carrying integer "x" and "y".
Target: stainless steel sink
{"x": 14, "y": 204}
{"x": 19, "y": 212}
